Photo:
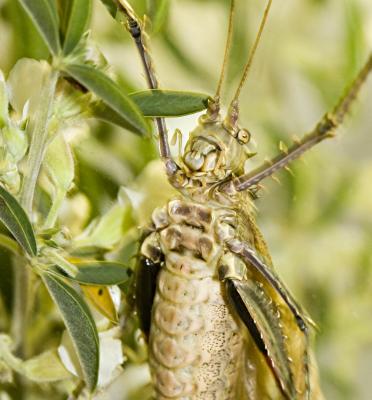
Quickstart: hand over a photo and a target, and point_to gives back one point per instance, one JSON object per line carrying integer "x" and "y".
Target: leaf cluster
{"x": 64, "y": 35}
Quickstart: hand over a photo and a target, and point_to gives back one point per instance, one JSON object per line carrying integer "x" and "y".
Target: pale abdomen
{"x": 195, "y": 343}
{"x": 198, "y": 348}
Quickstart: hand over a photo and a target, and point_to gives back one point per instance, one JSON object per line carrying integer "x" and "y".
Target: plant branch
{"x": 20, "y": 306}
{"x": 33, "y": 164}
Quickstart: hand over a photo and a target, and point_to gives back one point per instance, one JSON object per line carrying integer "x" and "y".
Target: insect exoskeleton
{"x": 214, "y": 151}
{"x": 219, "y": 321}
{"x": 198, "y": 344}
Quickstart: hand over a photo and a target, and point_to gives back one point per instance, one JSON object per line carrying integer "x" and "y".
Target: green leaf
{"x": 106, "y": 231}
{"x": 101, "y": 111}
{"x": 15, "y": 219}
{"x": 111, "y": 6}
{"x": 59, "y": 163}
{"x": 158, "y": 11}
{"x": 80, "y": 325}
{"x": 155, "y": 103}
{"x": 169, "y": 103}
{"x": 32, "y": 44}
{"x": 45, "y": 17}
{"x": 9, "y": 244}
{"x": 79, "y": 15}
{"x": 4, "y": 102}
{"x": 110, "y": 93}
{"x": 101, "y": 273}
{"x": 6, "y": 284}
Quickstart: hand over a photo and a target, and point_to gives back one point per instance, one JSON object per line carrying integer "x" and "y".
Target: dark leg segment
{"x": 325, "y": 129}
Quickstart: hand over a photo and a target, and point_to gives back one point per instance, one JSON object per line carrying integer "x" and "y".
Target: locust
{"x": 219, "y": 321}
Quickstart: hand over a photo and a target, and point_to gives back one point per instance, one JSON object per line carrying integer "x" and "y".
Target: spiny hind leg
{"x": 242, "y": 265}
{"x": 252, "y": 303}
{"x": 323, "y": 130}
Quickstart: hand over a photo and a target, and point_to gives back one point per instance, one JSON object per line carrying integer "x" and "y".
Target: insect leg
{"x": 262, "y": 318}
{"x": 250, "y": 256}
{"x": 135, "y": 29}
{"x": 324, "y": 129}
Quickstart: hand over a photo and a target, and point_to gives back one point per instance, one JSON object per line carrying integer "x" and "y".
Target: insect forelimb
{"x": 133, "y": 26}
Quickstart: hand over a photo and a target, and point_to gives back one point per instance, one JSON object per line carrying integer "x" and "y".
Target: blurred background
{"x": 318, "y": 220}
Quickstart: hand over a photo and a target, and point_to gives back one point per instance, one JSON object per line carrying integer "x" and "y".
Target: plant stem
{"x": 7, "y": 356}
{"x": 20, "y": 306}
{"x": 33, "y": 164}
{"x": 67, "y": 267}
{"x": 38, "y": 142}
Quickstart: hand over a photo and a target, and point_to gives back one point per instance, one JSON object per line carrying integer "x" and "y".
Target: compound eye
{"x": 243, "y": 136}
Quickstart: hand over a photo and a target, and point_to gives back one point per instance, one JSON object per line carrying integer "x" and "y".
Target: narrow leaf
{"x": 104, "y": 113}
{"x": 107, "y": 230}
{"x": 9, "y": 244}
{"x": 159, "y": 11}
{"x": 101, "y": 273}
{"x": 79, "y": 15}
{"x": 110, "y": 93}
{"x": 155, "y": 103}
{"x": 45, "y": 17}
{"x": 80, "y": 325}
{"x": 169, "y": 103}
{"x": 111, "y": 6}
{"x": 15, "y": 219}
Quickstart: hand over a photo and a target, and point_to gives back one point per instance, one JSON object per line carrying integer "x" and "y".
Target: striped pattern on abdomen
{"x": 195, "y": 342}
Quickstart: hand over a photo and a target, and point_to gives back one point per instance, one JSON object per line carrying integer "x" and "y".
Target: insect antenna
{"x": 214, "y": 105}
{"x": 232, "y": 116}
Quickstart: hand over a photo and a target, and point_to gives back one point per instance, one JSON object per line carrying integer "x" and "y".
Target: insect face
{"x": 215, "y": 151}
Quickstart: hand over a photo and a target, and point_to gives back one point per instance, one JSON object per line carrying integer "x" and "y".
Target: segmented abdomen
{"x": 196, "y": 345}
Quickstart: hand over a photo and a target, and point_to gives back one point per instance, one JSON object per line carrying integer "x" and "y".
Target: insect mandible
{"x": 209, "y": 301}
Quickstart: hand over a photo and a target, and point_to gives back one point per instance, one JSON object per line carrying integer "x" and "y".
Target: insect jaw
{"x": 214, "y": 152}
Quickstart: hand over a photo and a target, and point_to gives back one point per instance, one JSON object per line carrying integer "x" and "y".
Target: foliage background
{"x": 318, "y": 221}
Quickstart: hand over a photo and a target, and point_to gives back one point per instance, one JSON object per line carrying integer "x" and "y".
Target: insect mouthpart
{"x": 203, "y": 155}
